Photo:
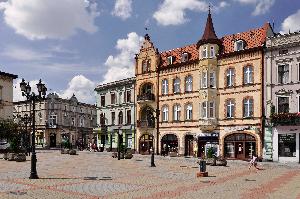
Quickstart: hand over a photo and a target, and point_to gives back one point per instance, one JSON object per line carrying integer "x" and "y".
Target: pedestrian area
{"x": 98, "y": 175}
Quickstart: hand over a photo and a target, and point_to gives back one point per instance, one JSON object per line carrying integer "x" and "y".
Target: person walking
{"x": 253, "y": 162}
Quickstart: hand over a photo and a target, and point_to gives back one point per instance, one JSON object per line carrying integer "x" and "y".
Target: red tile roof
{"x": 177, "y": 54}
{"x": 253, "y": 38}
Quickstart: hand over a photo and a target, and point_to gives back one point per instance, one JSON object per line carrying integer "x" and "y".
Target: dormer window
{"x": 239, "y": 45}
{"x": 170, "y": 60}
{"x": 204, "y": 52}
{"x": 185, "y": 57}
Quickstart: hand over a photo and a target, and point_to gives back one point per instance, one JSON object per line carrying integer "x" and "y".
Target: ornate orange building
{"x": 202, "y": 97}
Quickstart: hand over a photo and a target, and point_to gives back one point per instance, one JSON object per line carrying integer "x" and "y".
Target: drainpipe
{"x": 157, "y": 110}
{"x": 134, "y": 117}
{"x": 262, "y": 101}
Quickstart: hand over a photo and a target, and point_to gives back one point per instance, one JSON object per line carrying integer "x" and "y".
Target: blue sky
{"x": 73, "y": 45}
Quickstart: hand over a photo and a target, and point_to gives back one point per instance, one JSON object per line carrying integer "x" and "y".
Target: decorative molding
{"x": 283, "y": 60}
{"x": 284, "y": 92}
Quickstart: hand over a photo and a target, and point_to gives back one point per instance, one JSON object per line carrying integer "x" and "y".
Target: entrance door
{"x": 53, "y": 140}
{"x": 146, "y": 143}
{"x": 189, "y": 145}
{"x": 240, "y": 150}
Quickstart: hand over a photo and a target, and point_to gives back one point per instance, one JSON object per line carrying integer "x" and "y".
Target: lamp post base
{"x": 33, "y": 172}
{"x": 152, "y": 160}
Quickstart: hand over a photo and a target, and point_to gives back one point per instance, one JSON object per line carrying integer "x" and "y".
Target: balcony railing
{"x": 145, "y": 124}
{"x": 285, "y": 119}
{"x": 146, "y": 97}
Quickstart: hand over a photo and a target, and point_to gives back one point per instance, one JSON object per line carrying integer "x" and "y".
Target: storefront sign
{"x": 236, "y": 128}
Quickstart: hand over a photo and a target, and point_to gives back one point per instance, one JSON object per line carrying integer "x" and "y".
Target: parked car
{"x": 4, "y": 145}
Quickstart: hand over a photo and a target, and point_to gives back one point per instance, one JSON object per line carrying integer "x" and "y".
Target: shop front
{"x": 146, "y": 143}
{"x": 207, "y": 141}
{"x": 286, "y": 144}
{"x": 240, "y": 146}
{"x": 169, "y": 143}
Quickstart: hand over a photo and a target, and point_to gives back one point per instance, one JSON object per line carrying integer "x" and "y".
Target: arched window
{"x": 176, "y": 85}
{"x": 189, "y": 112}
{"x": 165, "y": 87}
{"x": 189, "y": 83}
{"x": 248, "y": 74}
{"x": 165, "y": 113}
{"x": 248, "y": 107}
{"x": 120, "y": 117}
{"x": 176, "y": 112}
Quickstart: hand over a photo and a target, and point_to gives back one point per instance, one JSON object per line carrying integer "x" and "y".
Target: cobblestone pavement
{"x": 98, "y": 175}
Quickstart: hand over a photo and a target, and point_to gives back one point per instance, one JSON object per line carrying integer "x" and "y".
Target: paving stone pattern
{"x": 97, "y": 175}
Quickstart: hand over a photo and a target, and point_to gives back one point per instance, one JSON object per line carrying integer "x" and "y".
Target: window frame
{"x": 248, "y": 75}
{"x": 237, "y": 43}
{"x": 170, "y": 60}
{"x": 281, "y": 80}
{"x": 204, "y": 53}
{"x": 214, "y": 79}
{"x": 165, "y": 87}
{"x": 232, "y": 108}
{"x": 189, "y": 111}
{"x": 189, "y": 83}
{"x": 204, "y": 79}
{"x": 214, "y": 109}
{"x": 277, "y": 102}
{"x": 204, "y": 109}
{"x": 111, "y": 98}
{"x": 174, "y": 85}
{"x": 212, "y": 52}
{"x": 231, "y": 77}
{"x": 185, "y": 57}
{"x": 249, "y": 106}
{"x": 176, "y": 112}
{"x": 165, "y": 113}
{"x": 128, "y": 117}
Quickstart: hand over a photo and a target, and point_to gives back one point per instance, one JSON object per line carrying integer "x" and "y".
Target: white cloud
{"x": 83, "y": 89}
{"x": 122, "y": 65}
{"x": 123, "y": 9}
{"x": 17, "y": 90}
{"x": 261, "y": 6}
{"x": 291, "y": 23}
{"x": 52, "y": 19}
{"x": 173, "y": 12}
{"x": 24, "y": 54}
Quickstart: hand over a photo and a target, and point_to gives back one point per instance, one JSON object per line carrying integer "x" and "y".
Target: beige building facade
{"x": 6, "y": 95}
{"x": 202, "y": 97}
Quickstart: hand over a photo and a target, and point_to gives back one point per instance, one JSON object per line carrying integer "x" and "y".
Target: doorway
{"x": 146, "y": 143}
{"x": 189, "y": 146}
{"x": 52, "y": 140}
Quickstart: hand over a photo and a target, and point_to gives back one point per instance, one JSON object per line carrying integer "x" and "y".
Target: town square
{"x": 150, "y": 99}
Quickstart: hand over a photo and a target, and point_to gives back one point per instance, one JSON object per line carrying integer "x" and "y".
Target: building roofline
{"x": 9, "y": 75}
{"x": 127, "y": 80}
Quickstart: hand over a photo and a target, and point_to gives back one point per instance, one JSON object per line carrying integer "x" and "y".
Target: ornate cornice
{"x": 283, "y": 40}
{"x": 284, "y": 92}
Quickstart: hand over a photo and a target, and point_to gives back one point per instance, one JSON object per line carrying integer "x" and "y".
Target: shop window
{"x": 287, "y": 145}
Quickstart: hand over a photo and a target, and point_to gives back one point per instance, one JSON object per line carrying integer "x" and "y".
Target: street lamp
{"x": 26, "y": 119}
{"x": 119, "y": 141}
{"x": 32, "y": 97}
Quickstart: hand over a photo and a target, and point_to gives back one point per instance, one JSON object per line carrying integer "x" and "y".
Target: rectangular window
{"x": 81, "y": 122}
{"x": 287, "y": 145}
{"x": 102, "y": 100}
{"x": 230, "y": 109}
{"x": 165, "y": 87}
{"x": 53, "y": 120}
{"x": 211, "y": 109}
{"x": 283, "y": 105}
{"x": 128, "y": 96}
{"x": 170, "y": 60}
{"x": 230, "y": 77}
{"x": 113, "y": 98}
{"x": 204, "y": 52}
{"x": 129, "y": 141}
{"x": 204, "y": 79}
{"x": 212, "y": 51}
{"x": 129, "y": 117}
{"x": 73, "y": 121}
{"x": 239, "y": 45}
{"x": 113, "y": 118}
{"x": 212, "y": 81}
{"x": 204, "y": 109}
{"x": 185, "y": 57}
{"x": 283, "y": 74}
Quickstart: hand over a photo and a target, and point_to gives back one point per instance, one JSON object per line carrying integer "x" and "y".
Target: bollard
{"x": 202, "y": 168}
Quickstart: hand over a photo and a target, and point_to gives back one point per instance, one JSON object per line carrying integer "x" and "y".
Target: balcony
{"x": 285, "y": 119}
{"x": 208, "y": 124}
{"x": 145, "y": 124}
{"x": 145, "y": 97}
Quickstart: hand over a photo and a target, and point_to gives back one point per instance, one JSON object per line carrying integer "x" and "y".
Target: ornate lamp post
{"x": 32, "y": 97}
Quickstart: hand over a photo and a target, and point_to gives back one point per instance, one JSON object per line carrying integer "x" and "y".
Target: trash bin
{"x": 202, "y": 165}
